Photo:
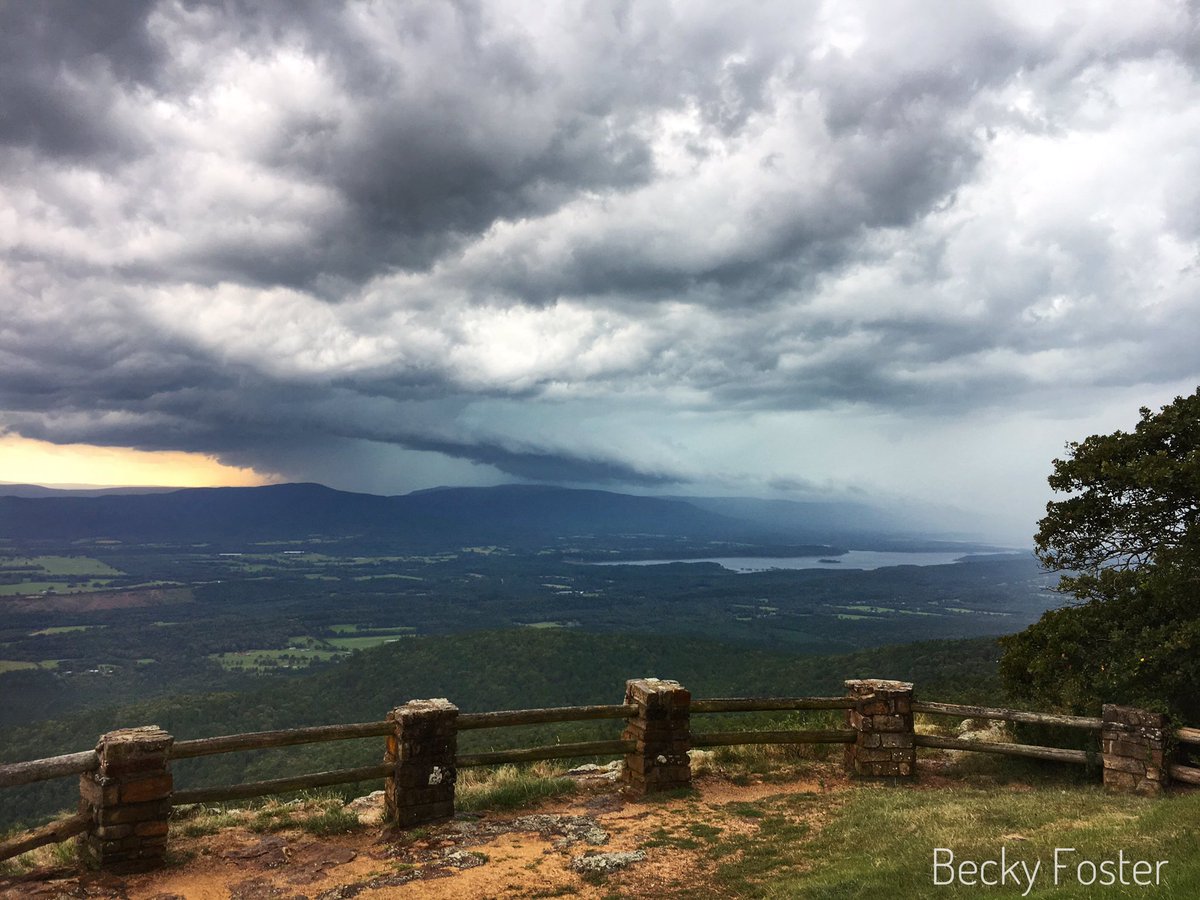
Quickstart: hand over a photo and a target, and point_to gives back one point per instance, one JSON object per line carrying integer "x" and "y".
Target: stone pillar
{"x": 661, "y": 729}
{"x": 1133, "y": 742}
{"x": 882, "y": 720}
{"x": 421, "y": 750}
{"x": 129, "y": 799}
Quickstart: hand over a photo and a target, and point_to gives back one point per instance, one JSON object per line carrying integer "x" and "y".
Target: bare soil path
{"x": 595, "y": 844}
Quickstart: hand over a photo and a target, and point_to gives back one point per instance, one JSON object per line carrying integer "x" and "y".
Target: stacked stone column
{"x": 661, "y": 730}
{"x": 129, "y": 799}
{"x": 1134, "y": 742}
{"x": 882, "y": 719}
{"x": 421, "y": 750}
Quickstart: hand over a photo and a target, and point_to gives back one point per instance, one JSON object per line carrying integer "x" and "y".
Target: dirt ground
{"x": 526, "y": 853}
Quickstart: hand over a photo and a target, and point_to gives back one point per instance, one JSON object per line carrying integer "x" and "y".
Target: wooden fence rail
{"x": 770, "y": 704}
{"x": 13, "y": 774}
{"x": 553, "y": 751}
{"x": 54, "y": 833}
{"x": 278, "y": 785}
{"x": 739, "y": 738}
{"x": 1188, "y": 735}
{"x": 880, "y": 740}
{"x": 508, "y": 717}
{"x": 1031, "y": 751}
{"x": 288, "y": 737}
{"x": 1007, "y": 715}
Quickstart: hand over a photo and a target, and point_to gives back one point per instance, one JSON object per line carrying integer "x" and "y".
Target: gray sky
{"x": 852, "y": 249}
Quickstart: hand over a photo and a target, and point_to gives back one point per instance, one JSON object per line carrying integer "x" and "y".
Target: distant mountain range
{"x": 507, "y": 514}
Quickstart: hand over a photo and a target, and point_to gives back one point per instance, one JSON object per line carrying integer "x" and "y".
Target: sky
{"x": 893, "y": 250}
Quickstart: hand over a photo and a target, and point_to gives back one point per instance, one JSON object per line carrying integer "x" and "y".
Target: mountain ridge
{"x": 508, "y": 514}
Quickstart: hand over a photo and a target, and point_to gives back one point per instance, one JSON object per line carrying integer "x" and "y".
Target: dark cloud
{"x": 553, "y": 243}
{"x": 60, "y": 63}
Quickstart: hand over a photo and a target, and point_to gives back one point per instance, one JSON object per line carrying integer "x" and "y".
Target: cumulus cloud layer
{"x": 589, "y": 242}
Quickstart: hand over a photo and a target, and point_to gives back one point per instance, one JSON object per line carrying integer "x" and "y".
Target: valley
{"x": 271, "y": 629}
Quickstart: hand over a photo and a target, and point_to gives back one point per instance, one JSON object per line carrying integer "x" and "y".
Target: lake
{"x": 853, "y": 559}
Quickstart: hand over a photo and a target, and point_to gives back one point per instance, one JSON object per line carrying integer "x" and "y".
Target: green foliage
{"x": 1135, "y": 501}
{"x": 1128, "y": 538}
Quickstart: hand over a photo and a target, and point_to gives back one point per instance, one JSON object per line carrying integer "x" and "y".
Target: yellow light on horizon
{"x": 28, "y": 461}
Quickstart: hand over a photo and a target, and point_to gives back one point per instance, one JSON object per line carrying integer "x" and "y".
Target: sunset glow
{"x": 26, "y": 461}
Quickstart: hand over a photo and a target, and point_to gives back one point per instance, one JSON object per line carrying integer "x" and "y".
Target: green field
{"x": 60, "y": 565}
{"x": 363, "y": 642}
{"x": 34, "y": 587}
{"x": 65, "y": 629}
{"x": 16, "y": 665}
{"x": 54, "y": 574}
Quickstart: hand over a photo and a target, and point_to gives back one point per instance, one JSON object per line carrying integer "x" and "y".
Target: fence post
{"x": 661, "y": 728}
{"x": 421, "y": 750}
{"x": 129, "y": 800}
{"x": 883, "y": 723}
{"x": 1133, "y": 742}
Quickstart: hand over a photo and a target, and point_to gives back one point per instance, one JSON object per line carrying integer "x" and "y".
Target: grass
{"x": 41, "y": 574}
{"x": 35, "y": 587}
{"x": 332, "y": 820}
{"x": 509, "y": 787}
{"x": 61, "y": 565}
{"x": 315, "y": 812}
{"x": 51, "y": 856}
{"x": 15, "y": 665}
{"x": 362, "y": 643}
{"x": 65, "y": 629}
{"x": 878, "y": 841}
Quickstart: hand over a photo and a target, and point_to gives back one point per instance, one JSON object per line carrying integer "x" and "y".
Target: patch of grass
{"x": 664, "y": 837}
{"x": 786, "y": 858}
{"x": 705, "y": 832}
{"x": 34, "y": 587}
{"x": 363, "y": 642}
{"x": 199, "y": 821}
{"x": 318, "y": 812}
{"x": 273, "y": 818}
{"x": 509, "y": 787}
{"x": 332, "y": 820}
{"x": 15, "y": 665}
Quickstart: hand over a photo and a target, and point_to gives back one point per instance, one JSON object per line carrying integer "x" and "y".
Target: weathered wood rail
{"x": 1008, "y": 715}
{"x": 132, "y": 765}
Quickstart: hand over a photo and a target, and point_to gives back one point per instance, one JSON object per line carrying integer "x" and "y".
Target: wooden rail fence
{"x": 127, "y": 790}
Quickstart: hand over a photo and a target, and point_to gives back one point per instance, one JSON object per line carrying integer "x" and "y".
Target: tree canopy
{"x": 1135, "y": 496}
{"x": 1127, "y": 538}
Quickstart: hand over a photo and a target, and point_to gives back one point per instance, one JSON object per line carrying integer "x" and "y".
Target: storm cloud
{"x": 388, "y": 245}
